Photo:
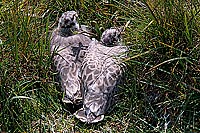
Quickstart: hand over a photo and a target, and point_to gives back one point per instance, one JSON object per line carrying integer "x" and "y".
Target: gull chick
{"x": 101, "y": 71}
{"x": 68, "y": 50}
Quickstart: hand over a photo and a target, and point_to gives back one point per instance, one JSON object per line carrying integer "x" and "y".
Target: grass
{"x": 161, "y": 91}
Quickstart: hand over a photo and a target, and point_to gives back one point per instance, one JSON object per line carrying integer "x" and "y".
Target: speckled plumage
{"x": 68, "y": 51}
{"x": 111, "y": 37}
{"x": 100, "y": 73}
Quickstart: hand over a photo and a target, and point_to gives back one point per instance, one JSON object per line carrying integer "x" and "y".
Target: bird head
{"x": 68, "y": 23}
{"x": 111, "y": 37}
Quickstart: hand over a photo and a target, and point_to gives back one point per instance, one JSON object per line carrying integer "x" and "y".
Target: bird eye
{"x": 67, "y": 20}
{"x": 115, "y": 34}
{"x": 74, "y": 17}
{"x": 72, "y": 24}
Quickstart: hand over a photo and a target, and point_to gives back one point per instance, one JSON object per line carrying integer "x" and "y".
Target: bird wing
{"x": 101, "y": 71}
{"x": 68, "y": 54}
{"x": 68, "y": 71}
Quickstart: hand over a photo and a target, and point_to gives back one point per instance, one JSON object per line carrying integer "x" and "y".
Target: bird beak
{"x": 122, "y": 33}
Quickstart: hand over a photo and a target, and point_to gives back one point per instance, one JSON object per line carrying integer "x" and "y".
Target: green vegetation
{"x": 161, "y": 91}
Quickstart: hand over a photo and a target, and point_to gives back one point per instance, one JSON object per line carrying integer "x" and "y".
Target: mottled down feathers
{"x": 68, "y": 51}
{"x": 101, "y": 71}
{"x": 89, "y": 70}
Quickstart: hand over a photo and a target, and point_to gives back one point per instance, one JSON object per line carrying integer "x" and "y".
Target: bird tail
{"x": 88, "y": 117}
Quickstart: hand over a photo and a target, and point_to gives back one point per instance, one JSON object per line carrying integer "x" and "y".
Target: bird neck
{"x": 65, "y": 32}
{"x": 111, "y": 44}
